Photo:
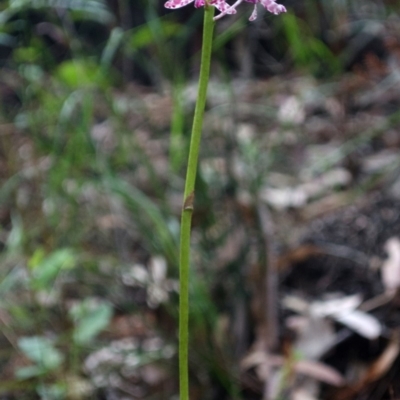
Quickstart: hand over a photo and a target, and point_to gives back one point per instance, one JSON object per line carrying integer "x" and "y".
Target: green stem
{"x": 188, "y": 202}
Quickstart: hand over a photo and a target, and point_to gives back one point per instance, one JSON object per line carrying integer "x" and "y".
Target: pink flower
{"x": 225, "y": 8}
{"x": 220, "y": 5}
{"x": 269, "y": 5}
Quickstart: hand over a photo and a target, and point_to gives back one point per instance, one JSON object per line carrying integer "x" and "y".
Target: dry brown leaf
{"x": 312, "y": 369}
{"x": 364, "y": 324}
{"x": 320, "y": 372}
{"x": 302, "y": 394}
{"x": 253, "y": 359}
{"x": 315, "y": 338}
{"x": 376, "y": 162}
{"x": 153, "y": 374}
{"x": 344, "y": 311}
{"x": 384, "y": 361}
{"x": 111, "y": 221}
{"x": 292, "y": 111}
{"x": 391, "y": 266}
{"x": 336, "y": 306}
{"x": 379, "y": 368}
{"x": 297, "y": 196}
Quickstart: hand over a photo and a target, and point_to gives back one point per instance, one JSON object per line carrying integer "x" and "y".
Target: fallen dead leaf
{"x": 377, "y": 369}
{"x": 313, "y": 369}
{"x": 315, "y": 337}
{"x": 302, "y": 394}
{"x": 291, "y": 111}
{"x": 377, "y": 162}
{"x": 319, "y": 371}
{"x": 364, "y": 324}
{"x": 297, "y": 196}
{"x": 391, "y": 266}
{"x": 342, "y": 310}
{"x": 384, "y": 361}
{"x": 326, "y": 308}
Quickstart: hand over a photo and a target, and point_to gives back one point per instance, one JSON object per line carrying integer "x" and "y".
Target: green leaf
{"x": 113, "y": 43}
{"x": 16, "y": 237}
{"x": 95, "y": 10}
{"x": 143, "y": 36}
{"x": 56, "y": 391}
{"x": 29, "y": 372}
{"x": 41, "y": 351}
{"x": 90, "y": 319}
{"x": 80, "y": 73}
{"x": 45, "y": 270}
{"x": 37, "y": 257}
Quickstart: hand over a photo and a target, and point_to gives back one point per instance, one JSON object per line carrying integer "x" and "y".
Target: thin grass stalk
{"x": 188, "y": 202}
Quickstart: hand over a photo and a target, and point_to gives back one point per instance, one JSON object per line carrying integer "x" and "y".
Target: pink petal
{"x": 223, "y": 6}
{"x": 272, "y": 7}
{"x": 253, "y": 15}
{"x": 177, "y": 3}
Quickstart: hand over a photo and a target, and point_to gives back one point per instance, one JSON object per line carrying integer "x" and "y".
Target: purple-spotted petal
{"x": 177, "y": 3}
{"x": 223, "y": 6}
{"x": 253, "y": 15}
{"x": 220, "y": 5}
{"x": 273, "y": 7}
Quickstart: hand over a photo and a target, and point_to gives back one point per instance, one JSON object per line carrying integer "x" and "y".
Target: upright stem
{"x": 188, "y": 202}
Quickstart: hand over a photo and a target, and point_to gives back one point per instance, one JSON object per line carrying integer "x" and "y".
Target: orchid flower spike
{"x": 221, "y": 5}
{"x": 224, "y": 8}
{"x": 269, "y": 5}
